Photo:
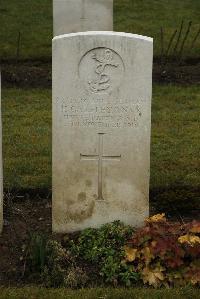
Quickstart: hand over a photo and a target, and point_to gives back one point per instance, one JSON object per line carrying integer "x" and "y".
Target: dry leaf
{"x": 156, "y": 218}
{"x": 130, "y": 253}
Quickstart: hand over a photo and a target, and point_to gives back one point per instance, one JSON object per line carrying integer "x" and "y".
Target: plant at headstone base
{"x": 165, "y": 253}
{"x": 52, "y": 264}
{"x": 36, "y": 252}
{"x": 56, "y": 265}
{"x": 159, "y": 254}
{"x": 103, "y": 248}
{"x": 60, "y": 268}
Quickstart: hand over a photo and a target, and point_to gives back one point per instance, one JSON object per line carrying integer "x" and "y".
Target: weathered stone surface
{"x": 1, "y": 168}
{"x": 82, "y": 15}
{"x": 101, "y": 129}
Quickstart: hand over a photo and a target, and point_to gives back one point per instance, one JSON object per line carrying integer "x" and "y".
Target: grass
{"x": 146, "y": 17}
{"x": 33, "y": 19}
{"x": 174, "y": 150}
{"x": 27, "y": 138}
{"x": 175, "y": 136}
{"x": 32, "y": 293}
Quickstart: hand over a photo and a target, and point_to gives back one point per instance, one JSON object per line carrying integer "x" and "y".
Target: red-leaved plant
{"x": 165, "y": 253}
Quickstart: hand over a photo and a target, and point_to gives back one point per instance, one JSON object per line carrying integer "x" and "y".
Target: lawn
{"x": 33, "y": 19}
{"x": 142, "y": 293}
{"x": 146, "y": 17}
{"x": 175, "y": 143}
{"x": 27, "y": 138}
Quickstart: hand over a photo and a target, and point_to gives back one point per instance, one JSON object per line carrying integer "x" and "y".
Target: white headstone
{"x": 1, "y": 168}
{"x": 102, "y": 84}
{"x": 82, "y": 15}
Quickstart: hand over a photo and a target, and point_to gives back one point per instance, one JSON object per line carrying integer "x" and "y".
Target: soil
{"x": 32, "y": 74}
{"x": 26, "y": 75}
{"x": 176, "y": 73}
{"x": 22, "y": 218}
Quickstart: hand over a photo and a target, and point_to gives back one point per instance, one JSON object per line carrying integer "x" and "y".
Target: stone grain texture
{"x": 102, "y": 85}
{"x": 82, "y": 15}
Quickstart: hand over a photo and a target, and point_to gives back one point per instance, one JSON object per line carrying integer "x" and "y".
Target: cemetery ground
{"x": 27, "y": 167}
{"x": 26, "y": 108}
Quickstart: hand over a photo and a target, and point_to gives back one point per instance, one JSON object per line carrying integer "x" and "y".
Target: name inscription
{"x": 84, "y": 113}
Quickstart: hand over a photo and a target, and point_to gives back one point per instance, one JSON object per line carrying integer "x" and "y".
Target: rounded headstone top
{"x": 104, "y": 33}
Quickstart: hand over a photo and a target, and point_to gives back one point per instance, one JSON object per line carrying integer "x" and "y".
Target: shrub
{"x": 103, "y": 248}
{"x": 56, "y": 265}
{"x": 53, "y": 264}
{"x": 165, "y": 253}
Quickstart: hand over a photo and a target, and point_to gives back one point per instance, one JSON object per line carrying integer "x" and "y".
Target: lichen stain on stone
{"x": 82, "y": 196}
{"x": 79, "y": 213}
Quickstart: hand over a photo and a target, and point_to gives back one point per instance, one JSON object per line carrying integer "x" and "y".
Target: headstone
{"x": 1, "y": 168}
{"x": 82, "y": 15}
{"x": 102, "y": 83}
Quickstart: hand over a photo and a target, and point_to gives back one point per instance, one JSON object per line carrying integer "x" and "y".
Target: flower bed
{"x": 158, "y": 254}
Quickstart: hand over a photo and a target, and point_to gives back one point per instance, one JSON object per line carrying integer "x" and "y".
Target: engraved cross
{"x": 100, "y": 158}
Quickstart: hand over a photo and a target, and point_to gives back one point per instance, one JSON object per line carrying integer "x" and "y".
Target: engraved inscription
{"x": 101, "y": 70}
{"x": 100, "y": 158}
{"x": 98, "y": 114}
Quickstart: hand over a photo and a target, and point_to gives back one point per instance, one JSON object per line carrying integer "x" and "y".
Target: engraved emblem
{"x": 102, "y": 82}
{"x": 101, "y": 70}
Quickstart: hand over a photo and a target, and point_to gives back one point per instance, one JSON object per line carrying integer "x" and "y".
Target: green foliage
{"x": 95, "y": 244}
{"x": 117, "y": 272}
{"x": 36, "y": 252}
{"x": 103, "y": 248}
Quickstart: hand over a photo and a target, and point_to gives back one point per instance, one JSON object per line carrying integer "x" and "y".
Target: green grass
{"x": 33, "y": 18}
{"x": 175, "y": 138}
{"x": 146, "y": 17}
{"x": 33, "y": 293}
{"x": 27, "y": 138}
